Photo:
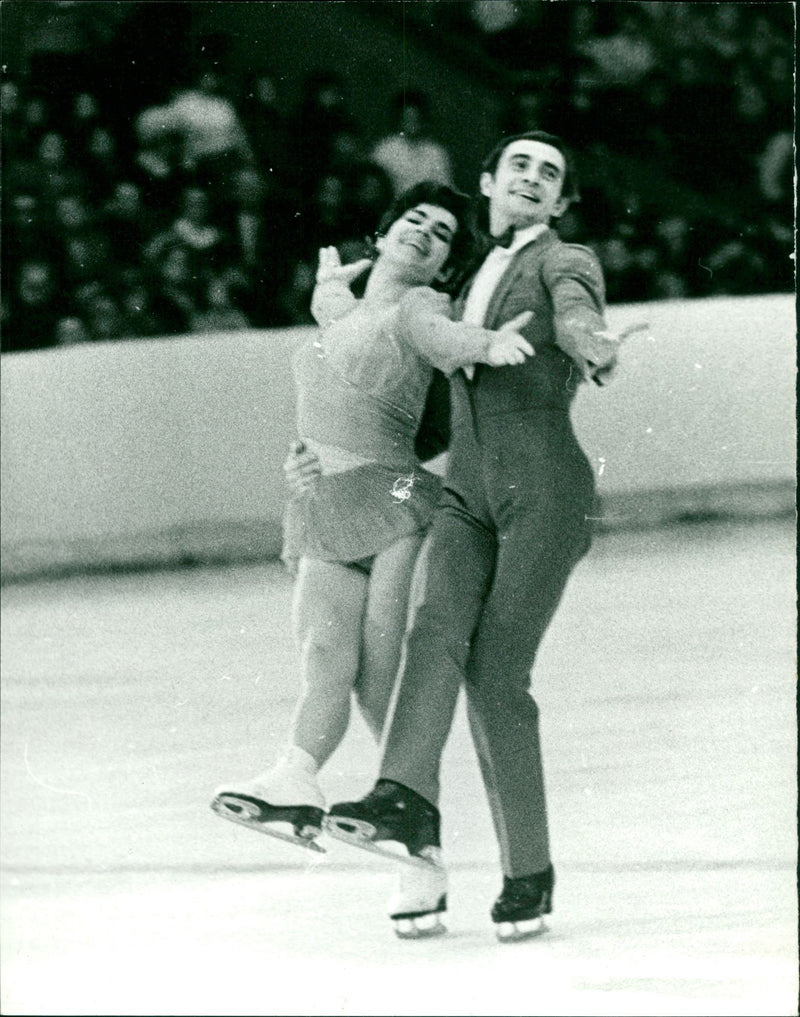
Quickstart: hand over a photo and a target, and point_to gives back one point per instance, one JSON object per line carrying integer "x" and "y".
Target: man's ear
{"x": 485, "y": 184}
{"x": 380, "y": 242}
{"x": 560, "y": 207}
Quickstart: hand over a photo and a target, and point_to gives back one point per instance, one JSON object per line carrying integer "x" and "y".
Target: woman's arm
{"x": 423, "y": 321}
{"x": 332, "y": 297}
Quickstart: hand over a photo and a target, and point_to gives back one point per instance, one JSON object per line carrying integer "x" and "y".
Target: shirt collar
{"x": 524, "y": 237}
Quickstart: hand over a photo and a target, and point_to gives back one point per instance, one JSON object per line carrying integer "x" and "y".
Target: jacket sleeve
{"x": 574, "y": 280}
{"x": 423, "y": 321}
{"x": 331, "y": 300}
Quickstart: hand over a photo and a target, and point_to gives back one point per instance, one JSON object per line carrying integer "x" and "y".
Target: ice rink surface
{"x": 667, "y": 690}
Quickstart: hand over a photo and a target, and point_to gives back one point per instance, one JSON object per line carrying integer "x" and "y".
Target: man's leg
{"x": 459, "y": 569}
{"x": 537, "y": 554}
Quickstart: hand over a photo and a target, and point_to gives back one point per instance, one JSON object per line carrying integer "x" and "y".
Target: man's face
{"x": 526, "y": 186}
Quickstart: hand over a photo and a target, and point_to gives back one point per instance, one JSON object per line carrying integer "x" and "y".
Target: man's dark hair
{"x": 462, "y": 250}
{"x": 569, "y": 188}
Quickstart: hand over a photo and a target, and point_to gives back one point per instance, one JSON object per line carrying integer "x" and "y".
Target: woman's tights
{"x": 349, "y": 621}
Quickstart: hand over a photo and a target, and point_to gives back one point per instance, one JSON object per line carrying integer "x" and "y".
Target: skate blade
{"x": 245, "y": 813}
{"x": 420, "y": 927}
{"x": 517, "y": 932}
{"x": 357, "y": 833}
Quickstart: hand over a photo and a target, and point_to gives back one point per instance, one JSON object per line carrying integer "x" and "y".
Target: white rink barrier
{"x": 157, "y": 452}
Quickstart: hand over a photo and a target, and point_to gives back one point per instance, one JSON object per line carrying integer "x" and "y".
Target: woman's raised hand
{"x": 331, "y": 269}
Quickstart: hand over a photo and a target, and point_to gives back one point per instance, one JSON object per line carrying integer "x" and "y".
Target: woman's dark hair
{"x": 463, "y": 248}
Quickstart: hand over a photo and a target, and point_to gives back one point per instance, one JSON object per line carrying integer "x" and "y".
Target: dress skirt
{"x": 355, "y": 514}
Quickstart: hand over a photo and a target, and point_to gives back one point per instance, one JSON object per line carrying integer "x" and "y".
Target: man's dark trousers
{"x": 514, "y": 521}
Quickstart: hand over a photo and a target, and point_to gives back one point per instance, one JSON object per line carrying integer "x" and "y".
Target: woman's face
{"x": 419, "y": 242}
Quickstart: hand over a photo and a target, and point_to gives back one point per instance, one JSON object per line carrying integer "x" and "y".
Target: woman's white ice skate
{"x": 285, "y": 803}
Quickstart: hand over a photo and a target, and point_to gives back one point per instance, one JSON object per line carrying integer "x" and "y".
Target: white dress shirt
{"x": 488, "y": 276}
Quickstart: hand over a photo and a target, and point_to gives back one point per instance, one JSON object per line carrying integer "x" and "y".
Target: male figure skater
{"x": 513, "y": 523}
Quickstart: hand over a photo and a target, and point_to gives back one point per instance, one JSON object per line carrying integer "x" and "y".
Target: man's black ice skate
{"x": 518, "y": 911}
{"x": 390, "y": 812}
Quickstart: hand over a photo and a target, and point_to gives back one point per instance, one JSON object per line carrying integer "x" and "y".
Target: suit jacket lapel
{"x": 512, "y": 274}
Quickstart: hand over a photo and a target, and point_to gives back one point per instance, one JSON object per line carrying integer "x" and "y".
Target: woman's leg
{"x": 328, "y": 615}
{"x": 385, "y": 623}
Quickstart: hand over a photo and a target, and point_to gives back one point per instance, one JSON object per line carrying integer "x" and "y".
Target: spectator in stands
{"x": 751, "y": 123}
{"x": 52, "y": 175}
{"x": 174, "y": 295}
{"x": 217, "y": 311}
{"x": 268, "y": 131}
{"x": 264, "y": 245}
{"x": 624, "y": 56}
{"x": 696, "y": 119}
{"x": 655, "y": 141}
{"x": 35, "y": 120}
{"x": 678, "y": 251}
{"x": 298, "y": 295}
{"x": 324, "y": 218}
{"x": 71, "y": 331}
{"x": 11, "y": 123}
{"x": 410, "y": 154}
{"x": 323, "y": 112}
{"x": 103, "y": 318}
{"x": 135, "y": 300}
{"x": 577, "y": 106}
{"x": 27, "y": 233}
{"x": 720, "y": 33}
{"x": 194, "y": 227}
{"x": 100, "y": 163}
{"x": 84, "y": 249}
{"x": 84, "y": 116}
{"x": 368, "y": 192}
{"x": 736, "y": 268}
{"x": 127, "y": 223}
{"x": 34, "y": 308}
{"x": 213, "y": 140}
{"x": 625, "y": 279}
{"x": 762, "y": 40}
{"x": 194, "y": 231}
{"x": 529, "y": 108}
{"x": 347, "y": 149}
{"x": 775, "y": 171}
{"x": 323, "y": 224}
{"x": 155, "y": 165}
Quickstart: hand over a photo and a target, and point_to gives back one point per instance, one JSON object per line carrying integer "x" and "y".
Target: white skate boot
{"x": 420, "y": 899}
{"x": 287, "y": 794}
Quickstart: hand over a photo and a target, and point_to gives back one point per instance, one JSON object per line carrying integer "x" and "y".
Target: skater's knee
{"x": 329, "y": 652}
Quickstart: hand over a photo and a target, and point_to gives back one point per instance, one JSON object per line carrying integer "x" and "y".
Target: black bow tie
{"x": 505, "y": 239}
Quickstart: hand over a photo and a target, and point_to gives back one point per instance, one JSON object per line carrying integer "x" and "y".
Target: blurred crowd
{"x": 207, "y": 215}
{"x": 204, "y": 211}
{"x": 693, "y": 99}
